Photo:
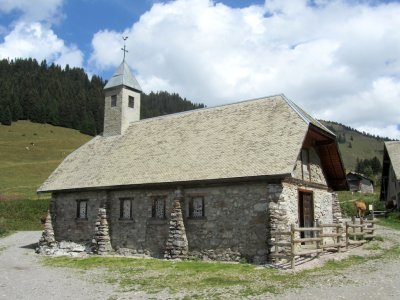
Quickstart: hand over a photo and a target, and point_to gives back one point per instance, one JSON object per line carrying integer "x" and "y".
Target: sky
{"x": 339, "y": 60}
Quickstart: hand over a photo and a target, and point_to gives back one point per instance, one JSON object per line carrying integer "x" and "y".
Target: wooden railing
{"x": 359, "y": 233}
{"x": 353, "y": 231}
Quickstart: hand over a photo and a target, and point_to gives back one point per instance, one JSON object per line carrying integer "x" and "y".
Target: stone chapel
{"x": 210, "y": 183}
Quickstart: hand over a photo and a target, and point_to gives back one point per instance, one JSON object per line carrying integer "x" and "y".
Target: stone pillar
{"x": 276, "y": 213}
{"x": 101, "y": 241}
{"x": 47, "y": 239}
{"x": 336, "y": 211}
{"x": 177, "y": 244}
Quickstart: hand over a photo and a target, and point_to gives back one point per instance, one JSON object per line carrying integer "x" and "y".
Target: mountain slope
{"x": 355, "y": 145}
{"x": 29, "y": 153}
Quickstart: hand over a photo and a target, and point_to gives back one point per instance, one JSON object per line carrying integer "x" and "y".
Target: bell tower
{"x": 122, "y": 100}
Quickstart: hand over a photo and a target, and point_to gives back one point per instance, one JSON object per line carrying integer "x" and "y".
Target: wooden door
{"x": 306, "y": 212}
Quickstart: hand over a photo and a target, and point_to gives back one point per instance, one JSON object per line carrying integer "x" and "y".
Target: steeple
{"x": 123, "y": 76}
{"x": 122, "y": 100}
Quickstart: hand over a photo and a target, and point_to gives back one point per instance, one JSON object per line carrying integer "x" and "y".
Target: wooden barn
{"x": 390, "y": 185}
{"x": 360, "y": 183}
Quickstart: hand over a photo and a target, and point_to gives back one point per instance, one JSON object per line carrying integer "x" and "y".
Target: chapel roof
{"x": 123, "y": 77}
{"x": 249, "y": 139}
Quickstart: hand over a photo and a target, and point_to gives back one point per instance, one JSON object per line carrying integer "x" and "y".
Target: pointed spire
{"x": 123, "y": 75}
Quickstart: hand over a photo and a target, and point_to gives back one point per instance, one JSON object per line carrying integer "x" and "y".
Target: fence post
{"x": 362, "y": 228}
{"x": 338, "y": 238}
{"x": 347, "y": 236}
{"x": 353, "y": 220}
{"x": 318, "y": 236}
{"x": 276, "y": 242}
{"x": 292, "y": 244}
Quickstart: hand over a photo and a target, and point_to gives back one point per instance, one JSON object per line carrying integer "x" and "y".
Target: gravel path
{"x": 376, "y": 279}
{"x": 22, "y": 276}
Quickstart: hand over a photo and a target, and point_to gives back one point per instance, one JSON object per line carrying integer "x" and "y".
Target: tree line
{"x": 47, "y": 93}
{"x": 369, "y": 167}
{"x": 342, "y": 137}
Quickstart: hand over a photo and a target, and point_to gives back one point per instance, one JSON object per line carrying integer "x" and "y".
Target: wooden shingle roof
{"x": 261, "y": 137}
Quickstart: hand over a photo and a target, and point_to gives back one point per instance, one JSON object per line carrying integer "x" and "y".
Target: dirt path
{"x": 376, "y": 279}
{"x": 22, "y": 276}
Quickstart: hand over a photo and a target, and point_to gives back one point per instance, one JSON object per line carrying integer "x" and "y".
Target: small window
{"x": 113, "y": 100}
{"x": 82, "y": 209}
{"x": 131, "y": 101}
{"x": 196, "y": 207}
{"x": 305, "y": 167}
{"x": 158, "y": 209}
{"x": 126, "y": 208}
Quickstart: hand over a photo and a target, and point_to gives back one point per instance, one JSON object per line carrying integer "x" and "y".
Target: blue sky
{"x": 338, "y": 59}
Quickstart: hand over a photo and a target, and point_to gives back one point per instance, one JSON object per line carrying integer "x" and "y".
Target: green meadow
{"x": 29, "y": 152}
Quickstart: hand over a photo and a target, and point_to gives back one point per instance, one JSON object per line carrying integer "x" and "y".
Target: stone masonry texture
{"x": 237, "y": 222}
{"x": 177, "y": 244}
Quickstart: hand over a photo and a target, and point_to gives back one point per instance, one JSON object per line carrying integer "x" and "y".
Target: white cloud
{"x": 31, "y": 34}
{"x": 38, "y": 41}
{"x": 33, "y": 10}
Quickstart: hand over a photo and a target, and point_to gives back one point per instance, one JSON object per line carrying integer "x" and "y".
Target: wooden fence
{"x": 359, "y": 233}
{"x": 353, "y": 234}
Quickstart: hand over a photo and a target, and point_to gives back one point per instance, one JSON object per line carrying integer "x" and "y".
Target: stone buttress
{"x": 101, "y": 241}
{"x": 177, "y": 243}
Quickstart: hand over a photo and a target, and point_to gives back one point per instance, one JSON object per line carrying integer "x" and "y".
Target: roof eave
{"x": 204, "y": 182}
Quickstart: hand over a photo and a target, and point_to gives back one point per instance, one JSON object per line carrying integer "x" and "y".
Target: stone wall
{"x": 236, "y": 224}
{"x": 315, "y": 171}
{"x": 118, "y": 118}
{"x": 66, "y": 225}
{"x": 234, "y": 221}
{"x": 283, "y": 207}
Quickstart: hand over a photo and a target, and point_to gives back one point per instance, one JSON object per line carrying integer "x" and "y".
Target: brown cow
{"x": 361, "y": 208}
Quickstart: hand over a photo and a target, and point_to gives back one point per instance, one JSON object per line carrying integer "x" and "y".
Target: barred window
{"x": 158, "y": 209}
{"x": 126, "y": 208}
{"x": 131, "y": 102}
{"x": 81, "y": 209}
{"x": 196, "y": 207}
{"x": 113, "y": 100}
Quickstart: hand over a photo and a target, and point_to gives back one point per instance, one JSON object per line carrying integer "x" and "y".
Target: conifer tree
{"x": 6, "y": 120}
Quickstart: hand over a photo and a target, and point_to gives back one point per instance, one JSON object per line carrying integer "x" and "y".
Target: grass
{"x": 392, "y": 221}
{"x": 193, "y": 277}
{"x": 21, "y": 215}
{"x": 199, "y": 279}
{"x": 211, "y": 280}
{"x": 29, "y": 153}
{"x": 216, "y": 280}
{"x": 347, "y": 199}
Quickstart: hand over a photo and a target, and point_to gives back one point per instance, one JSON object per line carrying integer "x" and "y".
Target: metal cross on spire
{"x": 124, "y": 49}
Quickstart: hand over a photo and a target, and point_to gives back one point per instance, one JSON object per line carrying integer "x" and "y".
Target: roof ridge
{"x": 205, "y": 108}
{"x": 305, "y": 116}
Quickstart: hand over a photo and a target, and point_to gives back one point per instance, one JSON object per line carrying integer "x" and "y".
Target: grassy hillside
{"x": 362, "y": 146}
{"x": 29, "y": 153}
